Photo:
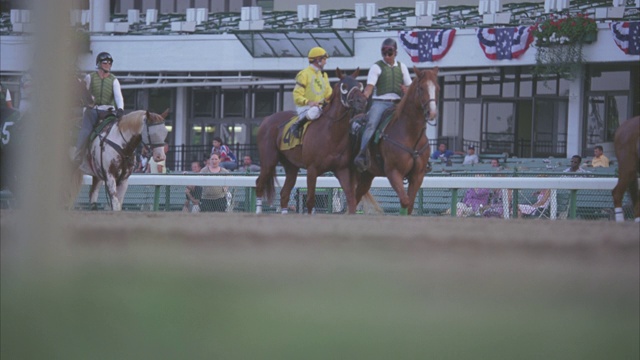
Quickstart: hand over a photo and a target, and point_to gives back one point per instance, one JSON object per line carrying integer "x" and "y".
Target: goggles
{"x": 388, "y": 51}
{"x": 107, "y": 61}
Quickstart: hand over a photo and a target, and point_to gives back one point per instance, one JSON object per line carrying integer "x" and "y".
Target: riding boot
{"x": 297, "y": 127}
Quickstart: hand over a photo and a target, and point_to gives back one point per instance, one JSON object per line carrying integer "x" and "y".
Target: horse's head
{"x": 426, "y": 89}
{"x": 351, "y": 94}
{"x": 154, "y": 133}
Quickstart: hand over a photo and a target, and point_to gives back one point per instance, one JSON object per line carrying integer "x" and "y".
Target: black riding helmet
{"x": 102, "y": 57}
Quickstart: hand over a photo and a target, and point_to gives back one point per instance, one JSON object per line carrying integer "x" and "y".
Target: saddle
{"x": 103, "y": 122}
{"x": 291, "y": 139}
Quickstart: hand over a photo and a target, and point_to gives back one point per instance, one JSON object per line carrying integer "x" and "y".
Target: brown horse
{"x": 325, "y": 147}
{"x": 403, "y": 150}
{"x": 627, "y": 146}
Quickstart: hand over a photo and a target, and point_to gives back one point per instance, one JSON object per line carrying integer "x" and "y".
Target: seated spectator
{"x": 496, "y": 204}
{"x": 248, "y": 166}
{"x": 474, "y": 201}
{"x": 227, "y": 158}
{"x": 542, "y": 203}
{"x": 495, "y": 163}
{"x": 470, "y": 157}
{"x": 575, "y": 165}
{"x": 443, "y": 154}
{"x": 599, "y": 160}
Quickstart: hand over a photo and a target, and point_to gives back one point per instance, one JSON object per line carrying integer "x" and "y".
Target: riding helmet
{"x": 317, "y": 52}
{"x": 102, "y": 57}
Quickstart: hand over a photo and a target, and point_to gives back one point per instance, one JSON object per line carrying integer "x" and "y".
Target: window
{"x": 203, "y": 103}
{"x": 265, "y": 103}
{"x": 233, "y": 103}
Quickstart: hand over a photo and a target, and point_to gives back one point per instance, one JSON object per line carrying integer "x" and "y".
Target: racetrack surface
{"x": 241, "y": 286}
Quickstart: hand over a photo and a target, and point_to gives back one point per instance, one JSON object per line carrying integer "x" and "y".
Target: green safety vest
{"x": 102, "y": 89}
{"x": 390, "y": 80}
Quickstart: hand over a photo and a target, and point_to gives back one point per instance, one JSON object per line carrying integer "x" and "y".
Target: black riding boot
{"x": 296, "y": 128}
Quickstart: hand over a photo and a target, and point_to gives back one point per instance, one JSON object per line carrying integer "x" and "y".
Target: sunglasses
{"x": 107, "y": 61}
{"x": 388, "y": 52}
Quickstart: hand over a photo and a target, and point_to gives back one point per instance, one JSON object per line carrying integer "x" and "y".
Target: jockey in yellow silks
{"x": 312, "y": 89}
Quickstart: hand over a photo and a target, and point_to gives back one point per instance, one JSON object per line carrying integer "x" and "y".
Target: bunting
{"x": 626, "y": 35}
{"x": 505, "y": 43}
{"x": 429, "y": 45}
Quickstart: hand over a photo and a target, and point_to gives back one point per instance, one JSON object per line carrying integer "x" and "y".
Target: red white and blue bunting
{"x": 626, "y": 35}
{"x": 505, "y": 43}
{"x": 429, "y": 45}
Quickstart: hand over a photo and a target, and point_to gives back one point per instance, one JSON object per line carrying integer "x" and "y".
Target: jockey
{"x": 391, "y": 79}
{"x": 107, "y": 94}
{"x": 312, "y": 89}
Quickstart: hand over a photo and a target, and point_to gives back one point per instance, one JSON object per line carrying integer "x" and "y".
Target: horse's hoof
{"x": 93, "y": 207}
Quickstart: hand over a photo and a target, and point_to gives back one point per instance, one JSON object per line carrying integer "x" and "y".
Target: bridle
{"x": 347, "y": 98}
{"x": 150, "y": 142}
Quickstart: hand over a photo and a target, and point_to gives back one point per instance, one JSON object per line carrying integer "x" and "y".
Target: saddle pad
{"x": 98, "y": 129}
{"x": 386, "y": 119}
{"x": 289, "y": 140}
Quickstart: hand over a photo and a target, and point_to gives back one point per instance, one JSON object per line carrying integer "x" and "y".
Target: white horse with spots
{"x": 111, "y": 156}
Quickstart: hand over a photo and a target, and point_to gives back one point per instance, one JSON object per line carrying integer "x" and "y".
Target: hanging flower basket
{"x": 559, "y": 42}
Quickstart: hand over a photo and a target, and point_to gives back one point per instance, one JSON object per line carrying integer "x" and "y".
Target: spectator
{"x": 496, "y": 203}
{"x": 495, "y": 163}
{"x": 248, "y": 166}
{"x": 312, "y": 89}
{"x": 442, "y": 153}
{"x": 599, "y": 160}
{"x": 158, "y": 167}
{"x": 214, "y": 198}
{"x": 193, "y": 193}
{"x": 143, "y": 166}
{"x": 474, "y": 201}
{"x": 542, "y": 203}
{"x": 390, "y": 79}
{"x": 107, "y": 95}
{"x": 470, "y": 158}
{"x": 575, "y": 165}
{"x": 5, "y": 98}
{"x": 227, "y": 158}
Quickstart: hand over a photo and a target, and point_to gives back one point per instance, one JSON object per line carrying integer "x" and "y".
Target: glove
{"x": 119, "y": 113}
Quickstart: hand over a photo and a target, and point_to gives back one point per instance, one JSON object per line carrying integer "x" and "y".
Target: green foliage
{"x": 559, "y": 43}
{"x": 572, "y": 29}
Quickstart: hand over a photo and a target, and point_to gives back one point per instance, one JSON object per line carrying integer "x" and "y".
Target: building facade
{"x": 221, "y": 77}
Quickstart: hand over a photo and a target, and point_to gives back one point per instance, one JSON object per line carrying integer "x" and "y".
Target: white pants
{"x": 310, "y": 112}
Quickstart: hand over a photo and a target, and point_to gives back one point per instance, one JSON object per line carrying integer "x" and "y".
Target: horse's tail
{"x": 370, "y": 204}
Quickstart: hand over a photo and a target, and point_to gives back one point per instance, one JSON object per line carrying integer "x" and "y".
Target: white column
{"x": 99, "y": 14}
{"x": 575, "y": 122}
{"x": 181, "y": 116}
{"x": 432, "y": 133}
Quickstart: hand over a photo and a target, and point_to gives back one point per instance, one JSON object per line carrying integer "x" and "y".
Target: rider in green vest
{"x": 388, "y": 80}
{"x": 107, "y": 95}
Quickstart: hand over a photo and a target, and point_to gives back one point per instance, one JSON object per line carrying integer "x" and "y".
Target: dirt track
{"x": 298, "y": 286}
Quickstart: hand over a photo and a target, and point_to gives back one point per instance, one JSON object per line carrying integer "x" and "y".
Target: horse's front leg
{"x": 285, "y": 193}
{"x": 121, "y": 190}
{"x": 112, "y": 193}
{"x": 94, "y": 191}
{"x": 395, "y": 178}
{"x": 312, "y": 177}
{"x": 415, "y": 182}
{"x": 347, "y": 181}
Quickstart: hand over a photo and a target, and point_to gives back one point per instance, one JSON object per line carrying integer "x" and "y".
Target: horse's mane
{"x": 426, "y": 76}
{"x": 132, "y": 121}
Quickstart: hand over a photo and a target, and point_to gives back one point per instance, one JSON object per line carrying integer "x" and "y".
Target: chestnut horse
{"x": 627, "y": 146}
{"x": 325, "y": 147}
{"x": 403, "y": 150}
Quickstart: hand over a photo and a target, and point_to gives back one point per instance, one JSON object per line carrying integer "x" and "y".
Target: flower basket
{"x": 559, "y": 43}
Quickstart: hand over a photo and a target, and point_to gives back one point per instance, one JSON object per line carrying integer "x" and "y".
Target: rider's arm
{"x": 117, "y": 94}
{"x": 328, "y": 89}
{"x": 299, "y": 90}
{"x": 372, "y": 79}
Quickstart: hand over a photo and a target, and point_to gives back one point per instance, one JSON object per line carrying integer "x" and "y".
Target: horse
{"x": 403, "y": 150}
{"x": 325, "y": 146}
{"x": 111, "y": 155}
{"x": 627, "y": 146}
